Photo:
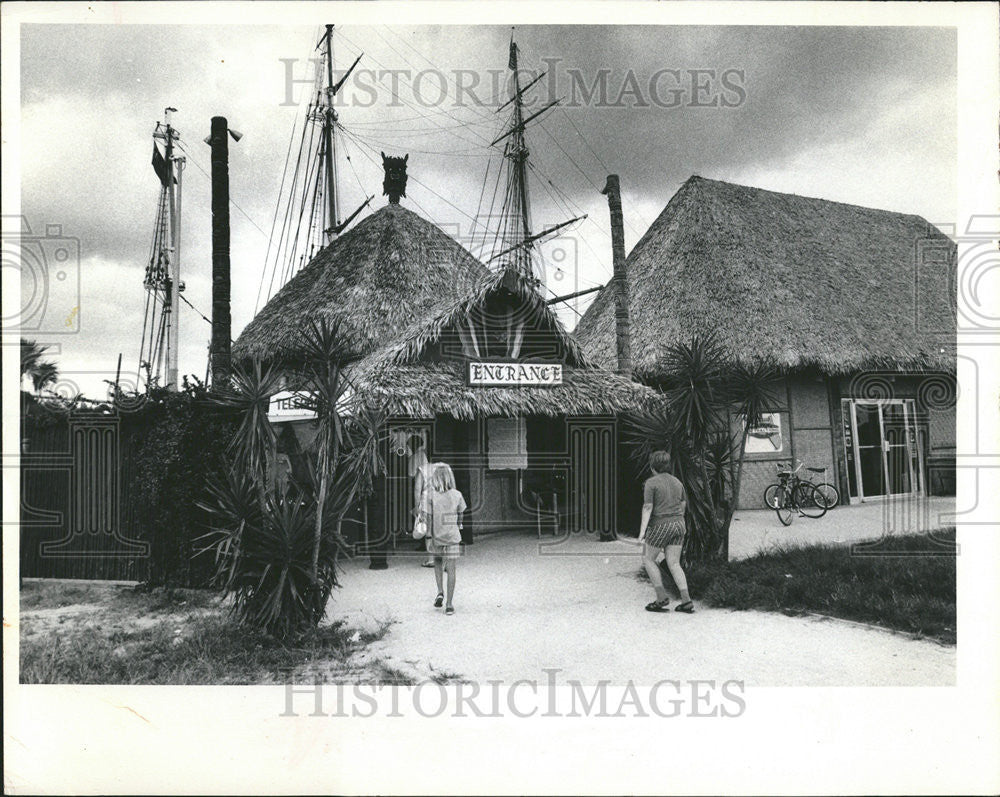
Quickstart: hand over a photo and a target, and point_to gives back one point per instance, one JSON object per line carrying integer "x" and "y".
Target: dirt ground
{"x": 577, "y": 606}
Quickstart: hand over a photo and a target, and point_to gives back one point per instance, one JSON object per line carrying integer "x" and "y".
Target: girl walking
{"x": 443, "y": 507}
{"x": 663, "y": 529}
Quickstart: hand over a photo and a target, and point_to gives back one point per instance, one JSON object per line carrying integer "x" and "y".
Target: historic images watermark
{"x": 671, "y": 86}
{"x": 977, "y": 274}
{"x": 48, "y": 265}
{"x": 521, "y": 699}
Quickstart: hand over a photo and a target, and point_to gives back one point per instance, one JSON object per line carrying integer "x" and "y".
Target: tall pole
{"x": 612, "y": 190}
{"x": 220, "y": 355}
{"x": 176, "y": 285}
{"x": 173, "y": 322}
{"x": 331, "y": 119}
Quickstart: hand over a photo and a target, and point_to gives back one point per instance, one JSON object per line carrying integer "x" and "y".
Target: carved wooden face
{"x": 394, "y": 184}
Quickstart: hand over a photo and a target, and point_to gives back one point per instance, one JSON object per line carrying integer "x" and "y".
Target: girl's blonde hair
{"x": 442, "y": 477}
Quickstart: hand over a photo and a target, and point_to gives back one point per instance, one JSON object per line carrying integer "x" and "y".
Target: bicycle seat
{"x": 817, "y": 470}
{"x": 784, "y": 473}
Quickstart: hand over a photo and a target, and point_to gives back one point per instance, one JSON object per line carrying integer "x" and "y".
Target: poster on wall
{"x": 765, "y": 437}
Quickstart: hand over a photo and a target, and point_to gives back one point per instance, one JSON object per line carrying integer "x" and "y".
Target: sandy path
{"x": 759, "y": 530}
{"x": 578, "y": 607}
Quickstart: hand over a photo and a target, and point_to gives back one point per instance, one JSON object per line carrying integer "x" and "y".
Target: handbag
{"x": 419, "y": 528}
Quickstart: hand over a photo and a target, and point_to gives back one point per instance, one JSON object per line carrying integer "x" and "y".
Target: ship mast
{"x": 160, "y": 344}
{"x": 311, "y": 205}
{"x": 329, "y": 126}
{"x": 516, "y": 242}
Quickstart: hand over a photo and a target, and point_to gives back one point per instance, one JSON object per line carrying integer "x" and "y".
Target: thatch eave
{"x": 425, "y": 390}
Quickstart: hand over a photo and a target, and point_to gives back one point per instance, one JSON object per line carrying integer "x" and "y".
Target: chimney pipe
{"x": 221, "y": 358}
{"x": 623, "y": 344}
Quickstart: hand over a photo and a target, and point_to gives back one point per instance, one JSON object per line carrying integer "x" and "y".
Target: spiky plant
{"x": 249, "y": 394}
{"x": 326, "y": 351}
{"x": 264, "y": 559}
{"x": 751, "y": 391}
{"x": 701, "y": 390}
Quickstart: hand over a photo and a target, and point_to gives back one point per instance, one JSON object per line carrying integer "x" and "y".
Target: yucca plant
{"x": 233, "y": 507}
{"x": 249, "y": 392}
{"x": 701, "y": 390}
{"x": 278, "y": 559}
{"x": 266, "y": 561}
{"x": 326, "y": 352}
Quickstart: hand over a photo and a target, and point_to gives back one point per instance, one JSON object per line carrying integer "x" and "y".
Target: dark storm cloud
{"x": 863, "y": 115}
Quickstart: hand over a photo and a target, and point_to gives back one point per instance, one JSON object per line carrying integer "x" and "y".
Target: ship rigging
{"x": 309, "y": 194}
{"x": 161, "y": 323}
{"x": 514, "y": 243}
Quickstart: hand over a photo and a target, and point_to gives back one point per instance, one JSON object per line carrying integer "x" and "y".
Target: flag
{"x": 160, "y": 166}
{"x": 512, "y": 62}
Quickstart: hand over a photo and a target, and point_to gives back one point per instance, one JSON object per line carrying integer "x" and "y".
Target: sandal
{"x": 439, "y": 600}
{"x": 687, "y": 607}
{"x": 450, "y": 610}
{"x": 427, "y": 564}
{"x": 658, "y": 606}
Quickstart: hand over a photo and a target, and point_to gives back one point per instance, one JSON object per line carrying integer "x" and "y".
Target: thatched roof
{"x": 801, "y": 282}
{"x": 406, "y": 378}
{"x": 390, "y": 270}
{"x": 413, "y": 340}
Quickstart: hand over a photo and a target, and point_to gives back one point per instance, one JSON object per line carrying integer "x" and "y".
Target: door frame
{"x": 910, "y": 430}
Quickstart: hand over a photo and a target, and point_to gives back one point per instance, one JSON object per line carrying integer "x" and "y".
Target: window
{"x": 508, "y": 443}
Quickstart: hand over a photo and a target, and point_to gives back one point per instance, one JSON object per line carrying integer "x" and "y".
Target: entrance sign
{"x": 289, "y": 406}
{"x": 497, "y": 374}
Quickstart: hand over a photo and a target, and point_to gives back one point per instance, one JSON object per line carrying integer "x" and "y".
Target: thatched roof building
{"x": 378, "y": 278}
{"x": 801, "y": 282}
{"x": 422, "y": 372}
{"x": 417, "y": 307}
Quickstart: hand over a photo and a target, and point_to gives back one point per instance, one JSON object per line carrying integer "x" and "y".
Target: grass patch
{"x": 172, "y": 636}
{"x": 905, "y": 583}
{"x": 56, "y": 595}
{"x": 61, "y": 594}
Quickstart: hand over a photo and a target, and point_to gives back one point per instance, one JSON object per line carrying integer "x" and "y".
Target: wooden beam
{"x": 568, "y": 296}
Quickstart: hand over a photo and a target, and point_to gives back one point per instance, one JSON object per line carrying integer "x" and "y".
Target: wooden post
{"x": 220, "y": 356}
{"x": 622, "y": 331}
{"x": 118, "y": 376}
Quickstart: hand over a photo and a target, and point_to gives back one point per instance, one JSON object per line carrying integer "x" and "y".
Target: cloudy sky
{"x": 858, "y": 115}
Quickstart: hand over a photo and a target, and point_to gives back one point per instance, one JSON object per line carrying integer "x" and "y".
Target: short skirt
{"x": 447, "y": 550}
{"x": 666, "y": 532}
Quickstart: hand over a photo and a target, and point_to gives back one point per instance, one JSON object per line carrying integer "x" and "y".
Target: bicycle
{"x": 829, "y": 496}
{"x": 792, "y": 494}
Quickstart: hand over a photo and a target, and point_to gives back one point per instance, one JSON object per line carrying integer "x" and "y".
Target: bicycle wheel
{"x": 784, "y": 507}
{"x": 771, "y": 496}
{"x": 809, "y": 500}
{"x": 828, "y": 494}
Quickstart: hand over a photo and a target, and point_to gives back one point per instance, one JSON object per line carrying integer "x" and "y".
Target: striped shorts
{"x": 666, "y": 532}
